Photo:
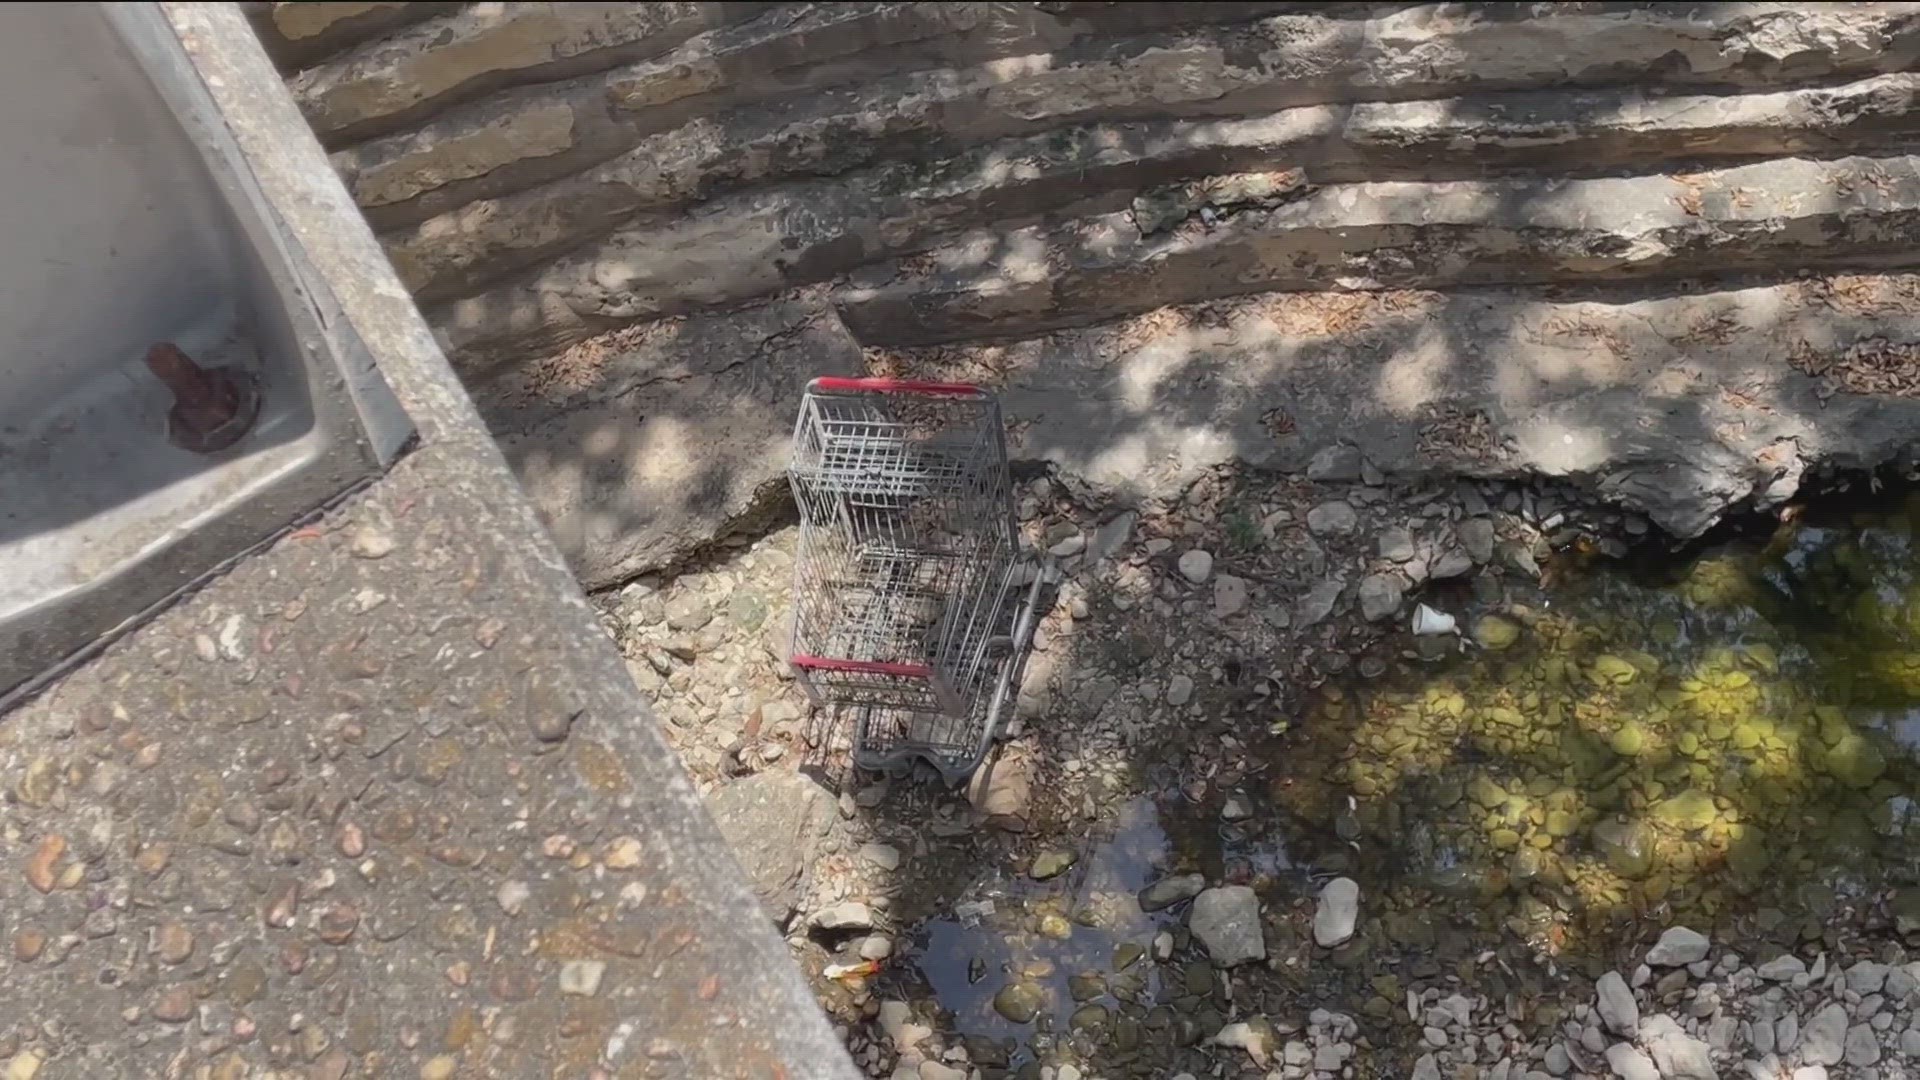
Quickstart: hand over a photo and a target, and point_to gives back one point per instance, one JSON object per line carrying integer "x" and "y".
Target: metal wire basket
{"x": 907, "y": 567}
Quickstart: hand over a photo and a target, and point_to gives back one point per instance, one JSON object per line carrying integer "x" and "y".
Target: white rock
{"x": 582, "y": 977}
{"x": 1558, "y": 1061}
{"x": 1476, "y": 535}
{"x": 370, "y": 543}
{"x": 884, "y": 856}
{"x": 1318, "y": 601}
{"x": 1396, "y": 544}
{"x": 1255, "y": 1040}
{"x": 1823, "y": 1041}
{"x": 1229, "y": 596}
{"x": 1628, "y": 1063}
{"x": 876, "y": 947}
{"x": 1179, "y": 690}
{"x": 1616, "y": 1005}
{"x": 1426, "y": 1068}
{"x": 1196, "y": 565}
{"x": 1899, "y": 984}
{"x": 1862, "y": 1047}
{"x": 1678, "y": 1055}
{"x": 934, "y": 1070}
{"x": 1781, "y": 968}
{"x": 1227, "y": 922}
{"x": 1810, "y": 1072}
{"x": 1678, "y": 946}
{"x": 1334, "y": 518}
{"x": 1337, "y": 913}
{"x": 512, "y": 896}
{"x": 850, "y": 915}
{"x": 1380, "y": 596}
{"x": 1866, "y": 977}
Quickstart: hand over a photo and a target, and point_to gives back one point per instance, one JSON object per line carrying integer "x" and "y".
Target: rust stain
{"x": 600, "y": 767}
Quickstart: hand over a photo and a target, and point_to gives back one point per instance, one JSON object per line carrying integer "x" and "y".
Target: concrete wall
{"x": 545, "y": 175}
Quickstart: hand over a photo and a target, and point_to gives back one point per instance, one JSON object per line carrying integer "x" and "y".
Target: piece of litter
{"x": 1427, "y": 622}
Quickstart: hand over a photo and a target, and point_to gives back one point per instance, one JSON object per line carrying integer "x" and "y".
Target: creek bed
{"x": 1726, "y": 740}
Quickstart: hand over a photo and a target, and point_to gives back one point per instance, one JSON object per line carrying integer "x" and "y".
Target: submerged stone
{"x": 1610, "y": 669}
{"x": 1627, "y": 846}
{"x": 1020, "y": 1002}
{"x": 1561, "y": 823}
{"x": 1855, "y": 761}
{"x": 1689, "y": 810}
{"x": 1495, "y": 633}
{"x": 1629, "y": 741}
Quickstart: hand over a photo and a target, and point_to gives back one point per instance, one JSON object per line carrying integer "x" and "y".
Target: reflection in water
{"x": 1078, "y": 948}
{"x": 1727, "y": 742}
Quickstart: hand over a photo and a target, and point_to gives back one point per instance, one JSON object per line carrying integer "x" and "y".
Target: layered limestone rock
{"x": 1554, "y": 235}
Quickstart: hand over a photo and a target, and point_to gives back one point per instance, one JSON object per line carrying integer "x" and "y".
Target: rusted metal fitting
{"x": 212, "y": 407}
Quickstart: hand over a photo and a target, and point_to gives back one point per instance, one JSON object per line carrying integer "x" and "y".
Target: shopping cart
{"x": 907, "y": 603}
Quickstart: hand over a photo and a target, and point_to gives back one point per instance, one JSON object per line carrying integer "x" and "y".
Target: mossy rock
{"x": 1627, "y": 846}
{"x": 1495, "y": 633}
{"x": 1629, "y": 741}
{"x": 1612, "y": 670}
{"x": 1050, "y": 864}
{"x": 1091, "y": 1020}
{"x": 1486, "y": 792}
{"x": 1855, "y": 761}
{"x": 1020, "y": 1002}
{"x": 1690, "y": 810}
{"x": 1055, "y": 926}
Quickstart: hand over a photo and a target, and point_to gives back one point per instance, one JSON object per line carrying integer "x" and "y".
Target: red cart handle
{"x": 833, "y": 383}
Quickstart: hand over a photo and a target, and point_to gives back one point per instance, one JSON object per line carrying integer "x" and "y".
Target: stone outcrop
{"x": 1675, "y": 405}
{"x": 1088, "y": 185}
{"x": 640, "y": 448}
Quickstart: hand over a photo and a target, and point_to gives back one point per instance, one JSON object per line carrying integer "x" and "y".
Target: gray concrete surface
{"x": 382, "y": 801}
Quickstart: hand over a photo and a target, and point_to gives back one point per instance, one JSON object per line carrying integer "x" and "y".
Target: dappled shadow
{"x": 1666, "y": 401}
{"x": 1518, "y": 820}
{"x": 1646, "y": 752}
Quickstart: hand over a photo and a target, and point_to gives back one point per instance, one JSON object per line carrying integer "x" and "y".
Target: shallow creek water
{"x": 1726, "y": 741}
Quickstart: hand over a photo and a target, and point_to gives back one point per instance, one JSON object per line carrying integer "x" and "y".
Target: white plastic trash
{"x": 1427, "y": 622}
